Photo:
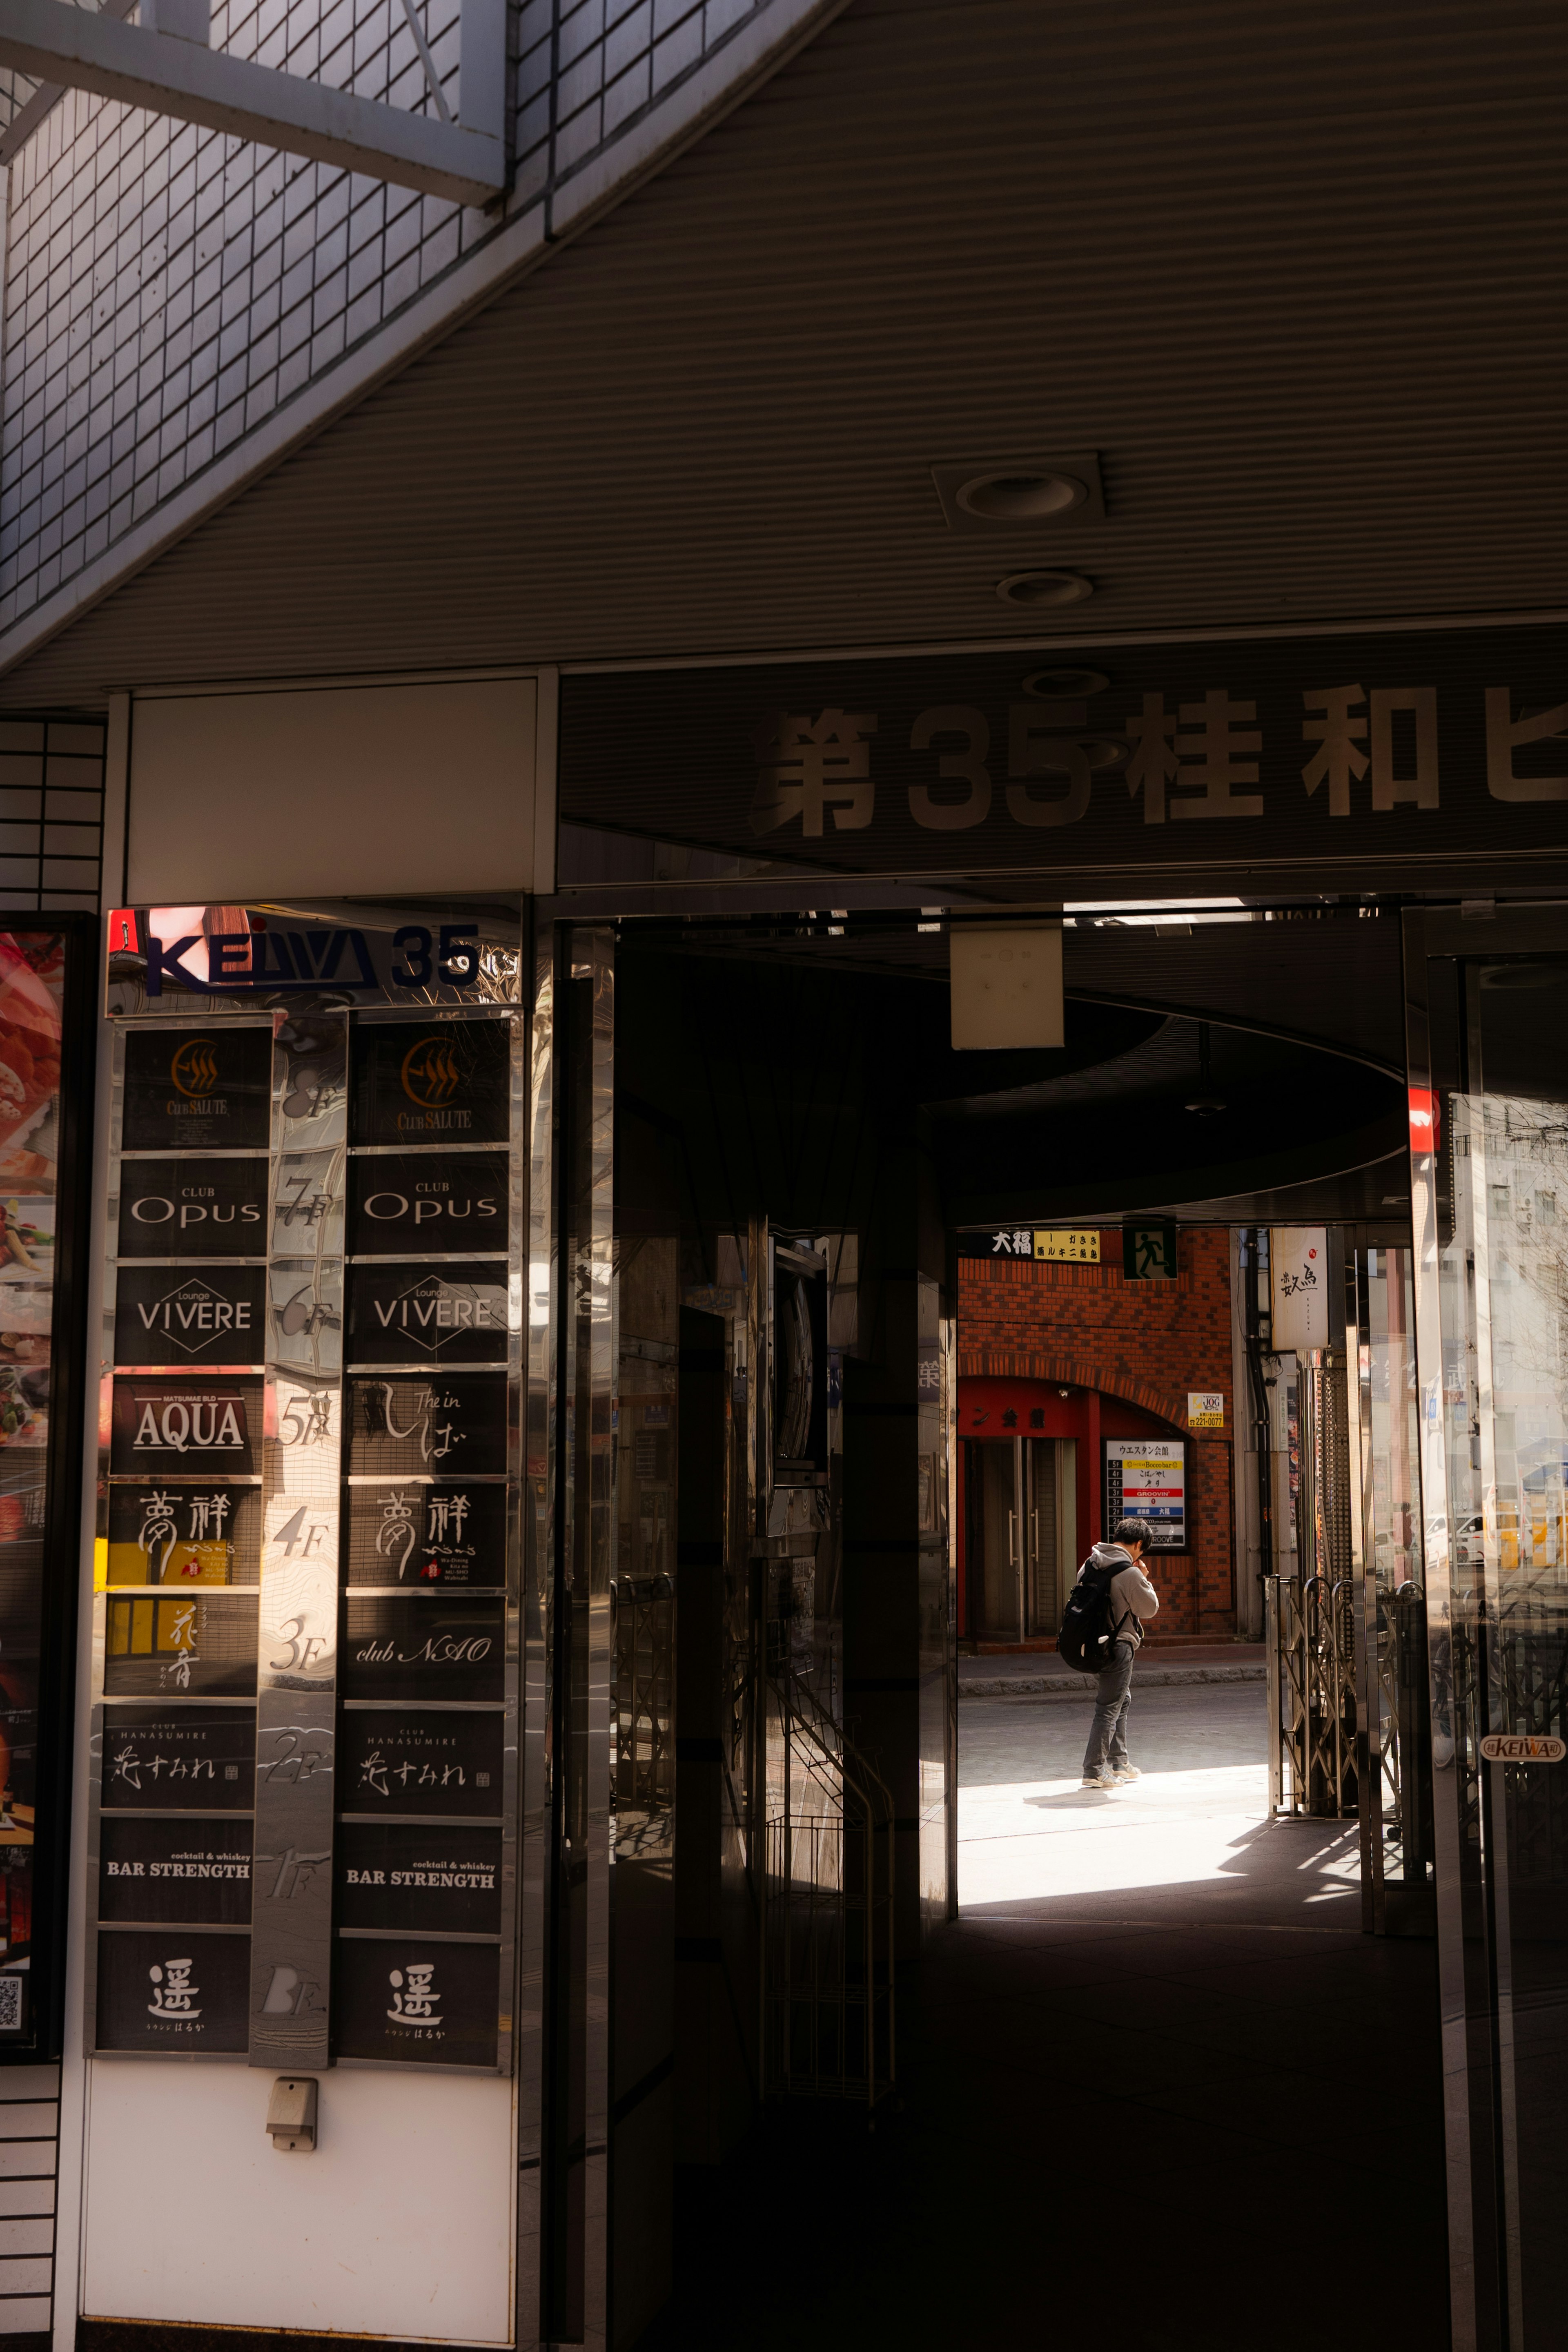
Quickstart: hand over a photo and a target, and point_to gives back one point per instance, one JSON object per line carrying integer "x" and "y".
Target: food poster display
{"x": 33, "y": 988}
{"x": 307, "y": 1696}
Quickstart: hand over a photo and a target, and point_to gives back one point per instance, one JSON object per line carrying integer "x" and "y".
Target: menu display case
{"x": 303, "y": 1819}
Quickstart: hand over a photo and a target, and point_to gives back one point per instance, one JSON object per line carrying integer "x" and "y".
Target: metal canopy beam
{"x": 463, "y": 161}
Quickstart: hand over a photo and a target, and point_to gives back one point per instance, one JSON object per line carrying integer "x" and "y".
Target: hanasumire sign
{"x": 1396, "y": 748}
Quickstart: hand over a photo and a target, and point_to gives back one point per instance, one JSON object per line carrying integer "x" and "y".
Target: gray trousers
{"x": 1108, "y": 1733}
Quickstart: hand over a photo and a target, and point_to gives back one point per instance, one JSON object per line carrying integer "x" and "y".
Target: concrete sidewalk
{"x": 1040, "y": 1674}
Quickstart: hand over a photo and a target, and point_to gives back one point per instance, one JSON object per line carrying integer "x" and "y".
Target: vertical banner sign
{"x": 1146, "y": 1478}
{"x": 303, "y": 1833}
{"x": 1298, "y": 1259}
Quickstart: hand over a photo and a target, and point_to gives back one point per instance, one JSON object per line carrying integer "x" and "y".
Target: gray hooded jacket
{"x": 1133, "y": 1597}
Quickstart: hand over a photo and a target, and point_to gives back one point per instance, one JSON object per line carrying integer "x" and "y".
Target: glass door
{"x": 1489, "y": 1012}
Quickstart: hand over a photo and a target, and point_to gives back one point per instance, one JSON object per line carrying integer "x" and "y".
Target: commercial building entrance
{"x": 584, "y": 1370}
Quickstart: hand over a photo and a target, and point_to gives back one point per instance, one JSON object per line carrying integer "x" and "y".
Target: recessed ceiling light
{"x": 1044, "y": 588}
{"x": 1020, "y": 493}
{"x": 1021, "y": 497}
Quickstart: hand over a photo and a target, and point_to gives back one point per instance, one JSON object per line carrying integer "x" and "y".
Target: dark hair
{"x": 1128, "y": 1532}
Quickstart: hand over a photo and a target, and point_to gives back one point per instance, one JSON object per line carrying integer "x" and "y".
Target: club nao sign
{"x": 173, "y": 958}
{"x": 1412, "y": 745}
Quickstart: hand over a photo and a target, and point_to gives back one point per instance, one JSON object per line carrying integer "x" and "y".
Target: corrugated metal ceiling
{"x": 1295, "y": 273}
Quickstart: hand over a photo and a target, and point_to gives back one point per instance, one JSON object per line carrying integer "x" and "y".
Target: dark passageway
{"x": 1167, "y": 2115}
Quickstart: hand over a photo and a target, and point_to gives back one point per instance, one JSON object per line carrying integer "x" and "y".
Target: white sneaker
{"x": 1126, "y": 1772}
{"x": 1098, "y": 1781}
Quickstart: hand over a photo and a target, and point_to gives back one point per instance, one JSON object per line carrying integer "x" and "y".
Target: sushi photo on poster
{"x": 32, "y": 979}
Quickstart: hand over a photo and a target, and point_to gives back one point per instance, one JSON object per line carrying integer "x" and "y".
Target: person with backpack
{"x": 1102, "y": 1632}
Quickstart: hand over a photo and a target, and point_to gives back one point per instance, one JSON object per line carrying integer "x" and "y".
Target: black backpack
{"x": 1088, "y": 1637}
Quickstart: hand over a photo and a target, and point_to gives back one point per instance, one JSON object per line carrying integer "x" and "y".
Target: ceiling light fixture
{"x": 1022, "y": 498}
{"x": 1028, "y": 588}
{"x": 1022, "y": 493}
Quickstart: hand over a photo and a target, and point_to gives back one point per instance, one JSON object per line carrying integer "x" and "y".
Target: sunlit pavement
{"x": 1027, "y": 1829}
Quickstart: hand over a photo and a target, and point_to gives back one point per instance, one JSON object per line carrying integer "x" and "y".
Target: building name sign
{"x": 162, "y": 959}
{"x": 1436, "y": 743}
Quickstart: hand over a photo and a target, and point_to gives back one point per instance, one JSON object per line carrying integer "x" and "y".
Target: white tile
{"x": 32, "y": 2235}
{"x": 27, "y": 2196}
{"x": 26, "y": 2274}
{"x": 22, "y": 2159}
{"x": 29, "y": 2082}
{"x": 29, "y": 2119}
{"x": 26, "y": 2317}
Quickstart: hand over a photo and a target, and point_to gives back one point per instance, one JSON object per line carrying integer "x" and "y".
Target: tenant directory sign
{"x": 1146, "y": 1478}
{"x": 304, "y": 1797}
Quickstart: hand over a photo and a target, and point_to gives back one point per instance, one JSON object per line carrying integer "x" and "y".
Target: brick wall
{"x": 1148, "y": 1344}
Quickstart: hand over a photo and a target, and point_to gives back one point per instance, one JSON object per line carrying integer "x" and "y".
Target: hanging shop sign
{"x": 1322, "y": 750}
{"x": 1146, "y": 1478}
{"x": 1299, "y": 1283}
{"x": 304, "y": 1816}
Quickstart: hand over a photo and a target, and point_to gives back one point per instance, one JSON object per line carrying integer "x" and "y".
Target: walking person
{"x": 1133, "y": 1601}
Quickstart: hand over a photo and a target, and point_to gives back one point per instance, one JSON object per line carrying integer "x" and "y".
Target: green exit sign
{"x": 1149, "y": 1250}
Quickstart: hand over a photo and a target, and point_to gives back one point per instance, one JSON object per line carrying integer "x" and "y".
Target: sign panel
{"x": 206, "y": 1532}
{"x": 421, "y": 1762}
{"x": 404, "y": 1203}
{"x": 403, "y": 1533}
{"x": 196, "y": 960}
{"x": 1149, "y": 1250}
{"x": 176, "y": 1871}
{"x": 1348, "y": 752}
{"x": 447, "y": 1428}
{"x": 417, "y": 1315}
{"x": 414, "y": 1648}
{"x": 1071, "y": 1248}
{"x": 1146, "y": 1478}
{"x": 433, "y": 1082}
{"x": 196, "y": 1643}
{"x": 173, "y": 1990}
{"x": 1206, "y": 1409}
{"x": 164, "y": 1316}
{"x": 420, "y": 2002}
{"x": 197, "y": 1091}
{"x": 179, "y": 1760}
{"x": 185, "y": 1209}
{"x": 412, "y": 1878}
{"x": 185, "y": 1429}
{"x": 1297, "y": 1268}
{"x": 1523, "y": 1747}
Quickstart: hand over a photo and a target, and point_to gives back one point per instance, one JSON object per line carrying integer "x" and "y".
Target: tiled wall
{"x": 29, "y": 2145}
{"x": 51, "y": 812}
{"x": 168, "y": 287}
{"x": 1151, "y": 1343}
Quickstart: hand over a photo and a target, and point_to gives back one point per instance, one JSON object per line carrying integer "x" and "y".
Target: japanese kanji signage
{"x": 1402, "y": 746}
{"x": 1297, "y": 1257}
{"x": 1053, "y": 1246}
